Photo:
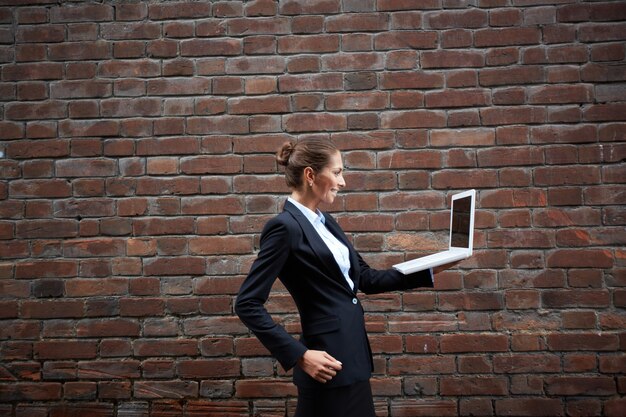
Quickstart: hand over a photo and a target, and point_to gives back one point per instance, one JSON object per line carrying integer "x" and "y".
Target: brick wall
{"x": 137, "y": 172}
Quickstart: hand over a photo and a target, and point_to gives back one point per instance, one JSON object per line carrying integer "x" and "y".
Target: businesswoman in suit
{"x": 307, "y": 250}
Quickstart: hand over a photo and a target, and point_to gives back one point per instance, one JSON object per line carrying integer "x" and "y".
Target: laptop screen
{"x": 461, "y": 218}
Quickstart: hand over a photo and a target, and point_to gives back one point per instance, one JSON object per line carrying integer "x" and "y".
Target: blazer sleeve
{"x": 372, "y": 281}
{"x": 255, "y": 290}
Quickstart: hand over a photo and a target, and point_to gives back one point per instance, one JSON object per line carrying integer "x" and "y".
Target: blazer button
{"x": 354, "y": 301}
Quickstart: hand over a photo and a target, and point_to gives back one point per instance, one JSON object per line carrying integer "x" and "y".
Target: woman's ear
{"x": 309, "y": 176}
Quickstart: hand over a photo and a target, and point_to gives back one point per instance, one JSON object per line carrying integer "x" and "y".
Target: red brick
{"x": 363, "y": 22}
{"x": 472, "y": 18}
{"x": 507, "y": 36}
{"x": 168, "y": 146}
{"x": 531, "y": 407}
{"x": 461, "y": 386}
{"x": 297, "y": 7}
{"x": 583, "y": 237}
{"x": 357, "y": 61}
{"x": 214, "y": 325}
{"x": 253, "y": 389}
{"x": 45, "y": 148}
{"x": 412, "y": 119}
{"x": 253, "y": 105}
{"x": 563, "y": 134}
{"x": 31, "y": 391}
{"x": 260, "y": 8}
{"x": 313, "y": 82}
{"x": 406, "y": 20}
{"x": 457, "y": 98}
{"x": 566, "y": 175}
{"x": 258, "y": 184}
{"x": 473, "y": 343}
{"x": 582, "y": 341}
{"x": 46, "y": 269}
{"x": 307, "y": 24}
{"x": 165, "y": 389}
{"x": 100, "y": 287}
{"x": 462, "y": 137}
{"x": 211, "y": 206}
{"x": 82, "y": 13}
{"x": 602, "y": 72}
{"x": 29, "y": 111}
{"x": 560, "y": 94}
{"x": 455, "y": 179}
{"x": 77, "y": 51}
{"x": 165, "y": 347}
{"x": 502, "y": 56}
{"x": 32, "y": 71}
{"x": 608, "y": 52}
{"x": 42, "y": 34}
{"x": 117, "y": 327}
{"x": 593, "y": 32}
{"x": 356, "y": 101}
{"x": 52, "y": 309}
{"x": 510, "y": 156}
{"x": 308, "y": 44}
{"x": 612, "y": 364}
{"x": 404, "y": 80}
{"x": 563, "y": 217}
{"x": 213, "y": 245}
{"x": 129, "y": 68}
{"x": 512, "y": 115}
{"x": 182, "y": 86}
{"x": 422, "y": 408}
{"x": 65, "y": 350}
{"x": 451, "y": 59}
{"x": 514, "y": 75}
{"x": 604, "y": 112}
{"x": 566, "y": 385}
{"x": 403, "y": 365}
{"x": 217, "y": 125}
{"x": 211, "y": 165}
{"x": 575, "y": 298}
{"x": 175, "y": 266}
{"x": 405, "y": 39}
{"x": 527, "y": 363}
{"x": 314, "y": 122}
{"x": 581, "y": 408}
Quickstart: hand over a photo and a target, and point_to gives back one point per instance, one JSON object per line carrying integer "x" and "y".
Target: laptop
{"x": 461, "y": 239}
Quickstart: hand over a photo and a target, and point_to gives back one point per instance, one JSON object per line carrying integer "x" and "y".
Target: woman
{"x": 313, "y": 258}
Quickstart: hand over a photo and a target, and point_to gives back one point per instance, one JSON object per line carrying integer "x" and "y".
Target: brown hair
{"x": 309, "y": 152}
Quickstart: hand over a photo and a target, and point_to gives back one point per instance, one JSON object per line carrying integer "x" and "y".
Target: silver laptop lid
{"x": 462, "y": 220}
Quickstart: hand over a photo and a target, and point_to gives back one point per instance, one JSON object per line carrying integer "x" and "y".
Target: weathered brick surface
{"x": 137, "y": 171}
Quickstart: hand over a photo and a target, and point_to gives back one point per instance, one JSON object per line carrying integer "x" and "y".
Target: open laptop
{"x": 461, "y": 239}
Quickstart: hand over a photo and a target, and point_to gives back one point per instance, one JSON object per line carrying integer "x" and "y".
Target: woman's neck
{"x": 306, "y": 199}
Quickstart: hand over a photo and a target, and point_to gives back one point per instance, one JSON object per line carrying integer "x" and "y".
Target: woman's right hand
{"x": 319, "y": 365}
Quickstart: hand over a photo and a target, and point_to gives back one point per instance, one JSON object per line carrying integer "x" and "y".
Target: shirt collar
{"x": 308, "y": 213}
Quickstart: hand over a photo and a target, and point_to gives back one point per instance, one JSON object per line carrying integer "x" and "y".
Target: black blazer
{"x": 331, "y": 315}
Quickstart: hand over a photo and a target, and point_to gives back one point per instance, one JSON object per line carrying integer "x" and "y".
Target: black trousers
{"x": 349, "y": 401}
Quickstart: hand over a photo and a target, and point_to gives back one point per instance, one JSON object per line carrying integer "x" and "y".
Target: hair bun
{"x": 285, "y": 151}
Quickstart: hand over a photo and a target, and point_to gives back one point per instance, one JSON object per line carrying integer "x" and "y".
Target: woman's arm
{"x": 255, "y": 291}
{"x": 373, "y": 281}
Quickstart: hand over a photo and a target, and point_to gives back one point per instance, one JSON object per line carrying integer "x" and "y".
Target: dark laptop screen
{"x": 461, "y": 222}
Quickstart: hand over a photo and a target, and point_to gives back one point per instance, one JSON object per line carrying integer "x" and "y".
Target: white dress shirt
{"x": 337, "y": 248}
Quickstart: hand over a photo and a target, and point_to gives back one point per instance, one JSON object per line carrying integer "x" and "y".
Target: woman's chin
{"x": 330, "y": 198}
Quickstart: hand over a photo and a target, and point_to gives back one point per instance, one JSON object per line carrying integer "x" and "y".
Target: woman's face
{"x": 327, "y": 183}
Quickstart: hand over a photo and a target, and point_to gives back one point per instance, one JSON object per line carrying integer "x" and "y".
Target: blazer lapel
{"x": 317, "y": 244}
{"x": 354, "y": 261}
